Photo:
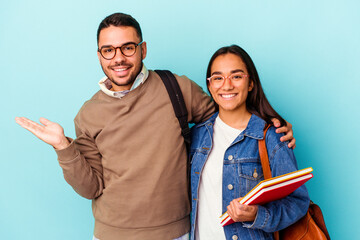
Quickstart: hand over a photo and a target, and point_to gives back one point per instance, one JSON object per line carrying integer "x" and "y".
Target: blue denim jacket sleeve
{"x": 279, "y": 214}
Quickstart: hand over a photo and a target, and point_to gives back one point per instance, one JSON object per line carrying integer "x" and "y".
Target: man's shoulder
{"x": 92, "y": 106}
{"x": 98, "y": 96}
{"x": 182, "y": 79}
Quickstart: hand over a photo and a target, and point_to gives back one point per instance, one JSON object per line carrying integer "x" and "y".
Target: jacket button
{"x": 230, "y": 187}
{"x": 234, "y": 237}
{"x": 255, "y": 174}
{"x": 230, "y": 157}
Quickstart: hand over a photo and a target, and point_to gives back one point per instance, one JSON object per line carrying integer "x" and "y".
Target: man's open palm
{"x": 50, "y": 132}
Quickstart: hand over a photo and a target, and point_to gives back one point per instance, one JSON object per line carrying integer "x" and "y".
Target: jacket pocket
{"x": 251, "y": 173}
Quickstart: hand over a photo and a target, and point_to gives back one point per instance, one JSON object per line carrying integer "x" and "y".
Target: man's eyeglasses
{"x": 109, "y": 52}
{"x": 217, "y": 80}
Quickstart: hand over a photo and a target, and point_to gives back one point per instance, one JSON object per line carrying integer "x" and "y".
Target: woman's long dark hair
{"x": 256, "y": 102}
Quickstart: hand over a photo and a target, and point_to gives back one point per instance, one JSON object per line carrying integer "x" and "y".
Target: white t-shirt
{"x": 210, "y": 189}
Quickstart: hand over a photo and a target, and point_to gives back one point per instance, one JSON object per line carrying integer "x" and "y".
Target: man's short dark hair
{"x": 119, "y": 20}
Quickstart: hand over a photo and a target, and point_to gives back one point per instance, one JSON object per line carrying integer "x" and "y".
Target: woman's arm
{"x": 278, "y": 214}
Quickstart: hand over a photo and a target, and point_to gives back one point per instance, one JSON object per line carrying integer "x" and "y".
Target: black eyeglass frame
{"x": 120, "y": 48}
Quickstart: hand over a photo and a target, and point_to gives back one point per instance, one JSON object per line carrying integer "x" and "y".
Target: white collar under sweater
{"x": 105, "y": 84}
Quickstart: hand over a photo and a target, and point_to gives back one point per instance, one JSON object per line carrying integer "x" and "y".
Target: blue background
{"x": 307, "y": 54}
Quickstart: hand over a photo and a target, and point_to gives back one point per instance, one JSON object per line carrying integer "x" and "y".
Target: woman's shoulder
{"x": 198, "y": 131}
{"x": 201, "y": 132}
{"x": 273, "y": 136}
{"x": 202, "y": 126}
{"x": 272, "y": 140}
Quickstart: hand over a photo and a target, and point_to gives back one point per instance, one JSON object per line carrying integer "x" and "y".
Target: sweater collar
{"x": 105, "y": 84}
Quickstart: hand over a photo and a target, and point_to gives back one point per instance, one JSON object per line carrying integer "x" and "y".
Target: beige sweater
{"x": 130, "y": 159}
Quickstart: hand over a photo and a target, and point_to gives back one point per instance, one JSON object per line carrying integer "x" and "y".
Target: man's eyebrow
{"x": 118, "y": 46}
{"x": 128, "y": 43}
{"x": 103, "y": 46}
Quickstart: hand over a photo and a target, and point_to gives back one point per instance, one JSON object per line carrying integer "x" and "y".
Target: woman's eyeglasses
{"x": 217, "y": 80}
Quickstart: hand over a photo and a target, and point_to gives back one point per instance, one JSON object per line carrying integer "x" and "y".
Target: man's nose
{"x": 119, "y": 56}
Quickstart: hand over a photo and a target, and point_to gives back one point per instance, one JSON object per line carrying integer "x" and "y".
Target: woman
{"x": 225, "y": 162}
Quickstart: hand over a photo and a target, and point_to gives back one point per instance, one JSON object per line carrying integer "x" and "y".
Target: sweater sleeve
{"x": 199, "y": 104}
{"x": 81, "y": 164}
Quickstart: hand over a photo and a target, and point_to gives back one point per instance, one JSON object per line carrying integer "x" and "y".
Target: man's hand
{"x": 50, "y": 132}
{"x": 289, "y": 134}
{"x": 240, "y": 212}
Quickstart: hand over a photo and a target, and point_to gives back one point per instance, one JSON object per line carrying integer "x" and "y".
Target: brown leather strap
{"x": 264, "y": 155}
{"x": 316, "y": 214}
{"x": 276, "y": 236}
{"x": 264, "y": 158}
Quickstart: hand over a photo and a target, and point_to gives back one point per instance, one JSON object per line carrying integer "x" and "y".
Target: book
{"x": 272, "y": 189}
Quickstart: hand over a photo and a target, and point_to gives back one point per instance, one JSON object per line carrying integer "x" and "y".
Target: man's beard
{"x": 131, "y": 77}
{"x": 130, "y": 81}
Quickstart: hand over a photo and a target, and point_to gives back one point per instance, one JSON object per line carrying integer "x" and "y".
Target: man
{"x": 129, "y": 156}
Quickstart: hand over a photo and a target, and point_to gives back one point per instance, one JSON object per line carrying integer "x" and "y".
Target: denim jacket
{"x": 240, "y": 161}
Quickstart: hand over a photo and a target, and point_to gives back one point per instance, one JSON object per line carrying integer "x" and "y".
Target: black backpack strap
{"x": 177, "y": 100}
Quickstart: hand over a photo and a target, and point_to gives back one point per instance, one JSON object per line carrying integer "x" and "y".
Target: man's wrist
{"x": 64, "y": 143}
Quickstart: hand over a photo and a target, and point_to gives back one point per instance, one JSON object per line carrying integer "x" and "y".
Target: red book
{"x": 272, "y": 189}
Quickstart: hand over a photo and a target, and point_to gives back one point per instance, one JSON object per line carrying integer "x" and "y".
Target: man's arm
{"x": 199, "y": 104}
{"x": 82, "y": 170}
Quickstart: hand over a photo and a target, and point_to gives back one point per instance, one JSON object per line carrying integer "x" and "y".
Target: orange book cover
{"x": 272, "y": 189}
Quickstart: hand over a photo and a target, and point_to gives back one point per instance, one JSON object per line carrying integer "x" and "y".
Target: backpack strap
{"x": 264, "y": 155}
{"x": 264, "y": 158}
{"x": 177, "y": 100}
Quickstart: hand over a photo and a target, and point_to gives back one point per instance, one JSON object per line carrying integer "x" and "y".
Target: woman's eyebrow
{"x": 216, "y": 73}
{"x": 233, "y": 71}
{"x": 237, "y": 70}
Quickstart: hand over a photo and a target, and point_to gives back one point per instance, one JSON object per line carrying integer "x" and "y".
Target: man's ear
{"x": 99, "y": 56}
{"x": 143, "y": 50}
